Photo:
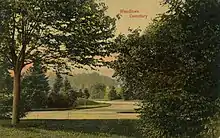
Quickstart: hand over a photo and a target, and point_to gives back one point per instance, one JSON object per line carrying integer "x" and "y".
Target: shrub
{"x": 86, "y": 93}
{"x": 112, "y": 95}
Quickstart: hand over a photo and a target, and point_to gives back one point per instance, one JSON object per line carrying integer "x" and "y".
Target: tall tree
{"x": 175, "y": 65}
{"x": 66, "y": 85}
{"x": 58, "y": 84}
{"x": 70, "y": 32}
{"x": 35, "y": 86}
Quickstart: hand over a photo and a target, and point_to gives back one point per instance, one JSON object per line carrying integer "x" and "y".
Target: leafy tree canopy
{"x": 174, "y": 66}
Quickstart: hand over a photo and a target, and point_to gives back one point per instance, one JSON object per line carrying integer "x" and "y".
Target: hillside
{"x": 86, "y": 80}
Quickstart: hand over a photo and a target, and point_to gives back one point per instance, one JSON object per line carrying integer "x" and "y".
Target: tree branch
{"x": 25, "y": 64}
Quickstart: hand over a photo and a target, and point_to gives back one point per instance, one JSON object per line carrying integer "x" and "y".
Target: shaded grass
{"x": 71, "y": 128}
{"x": 81, "y": 103}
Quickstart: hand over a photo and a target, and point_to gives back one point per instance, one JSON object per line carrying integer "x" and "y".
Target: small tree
{"x": 66, "y": 86}
{"x": 35, "y": 86}
{"x": 58, "y": 84}
{"x": 86, "y": 93}
{"x": 112, "y": 95}
{"x": 80, "y": 93}
{"x": 68, "y": 93}
{"x": 72, "y": 97}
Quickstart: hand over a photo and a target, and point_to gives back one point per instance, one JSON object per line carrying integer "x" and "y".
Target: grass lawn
{"x": 65, "y": 128}
{"x": 88, "y": 104}
{"x": 89, "y": 123}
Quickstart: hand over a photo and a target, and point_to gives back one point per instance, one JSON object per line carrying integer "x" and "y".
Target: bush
{"x": 6, "y": 106}
{"x": 80, "y": 93}
{"x": 62, "y": 100}
{"x": 176, "y": 114}
{"x": 112, "y": 94}
{"x": 86, "y": 93}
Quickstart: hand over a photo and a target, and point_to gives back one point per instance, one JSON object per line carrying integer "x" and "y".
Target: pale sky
{"x": 144, "y": 7}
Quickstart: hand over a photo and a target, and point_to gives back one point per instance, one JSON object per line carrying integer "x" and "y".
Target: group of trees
{"x": 63, "y": 95}
{"x": 173, "y": 65}
{"x": 101, "y": 91}
{"x": 64, "y": 34}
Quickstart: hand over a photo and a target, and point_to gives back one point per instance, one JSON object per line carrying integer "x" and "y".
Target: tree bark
{"x": 16, "y": 97}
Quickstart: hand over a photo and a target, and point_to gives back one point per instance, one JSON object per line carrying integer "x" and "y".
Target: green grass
{"x": 82, "y": 103}
{"x": 69, "y": 128}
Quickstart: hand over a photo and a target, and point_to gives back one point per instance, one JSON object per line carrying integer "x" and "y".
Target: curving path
{"x": 115, "y": 111}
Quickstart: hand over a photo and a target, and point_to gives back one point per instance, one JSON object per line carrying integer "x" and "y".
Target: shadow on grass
{"x": 121, "y": 127}
{"x": 74, "y": 108}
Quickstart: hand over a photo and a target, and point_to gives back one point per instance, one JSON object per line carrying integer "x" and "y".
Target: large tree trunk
{"x": 16, "y": 97}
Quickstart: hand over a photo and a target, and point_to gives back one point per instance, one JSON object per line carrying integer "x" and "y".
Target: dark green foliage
{"x": 58, "y": 84}
{"x": 177, "y": 114}
{"x": 80, "y": 93}
{"x": 66, "y": 86}
{"x": 5, "y": 108}
{"x": 174, "y": 67}
{"x": 6, "y": 98}
{"x": 35, "y": 87}
{"x": 62, "y": 100}
{"x": 86, "y": 93}
{"x": 5, "y": 79}
{"x": 112, "y": 94}
{"x": 98, "y": 91}
{"x": 5, "y": 90}
{"x": 72, "y": 97}
{"x": 126, "y": 94}
{"x": 65, "y": 97}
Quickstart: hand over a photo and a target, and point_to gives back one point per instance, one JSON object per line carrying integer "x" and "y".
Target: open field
{"x": 85, "y": 123}
{"x": 115, "y": 111}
